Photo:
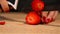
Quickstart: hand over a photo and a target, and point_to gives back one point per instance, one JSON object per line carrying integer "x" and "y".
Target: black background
{"x": 25, "y": 5}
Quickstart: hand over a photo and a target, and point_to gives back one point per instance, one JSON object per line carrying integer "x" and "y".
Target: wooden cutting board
{"x": 20, "y": 27}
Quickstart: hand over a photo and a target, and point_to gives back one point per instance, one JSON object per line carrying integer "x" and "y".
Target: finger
{"x": 51, "y": 13}
{"x": 49, "y": 17}
{"x": 55, "y": 15}
{"x": 4, "y": 5}
{"x": 44, "y": 15}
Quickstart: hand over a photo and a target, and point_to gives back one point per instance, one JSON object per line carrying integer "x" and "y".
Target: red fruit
{"x": 2, "y": 22}
{"x": 37, "y": 5}
{"x": 33, "y": 19}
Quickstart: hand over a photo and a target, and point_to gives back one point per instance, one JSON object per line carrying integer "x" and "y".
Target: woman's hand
{"x": 49, "y": 16}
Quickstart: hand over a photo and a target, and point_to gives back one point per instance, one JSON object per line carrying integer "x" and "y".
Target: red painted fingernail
{"x": 47, "y": 20}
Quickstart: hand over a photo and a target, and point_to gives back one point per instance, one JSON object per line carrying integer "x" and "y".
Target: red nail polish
{"x": 47, "y": 20}
{"x": 2, "y": 22}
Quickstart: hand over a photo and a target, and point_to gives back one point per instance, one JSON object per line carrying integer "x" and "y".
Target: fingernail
{"x": 47, "y": 20}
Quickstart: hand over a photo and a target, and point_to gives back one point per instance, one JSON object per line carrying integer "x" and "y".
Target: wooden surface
{"x": 15, "y": 24}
